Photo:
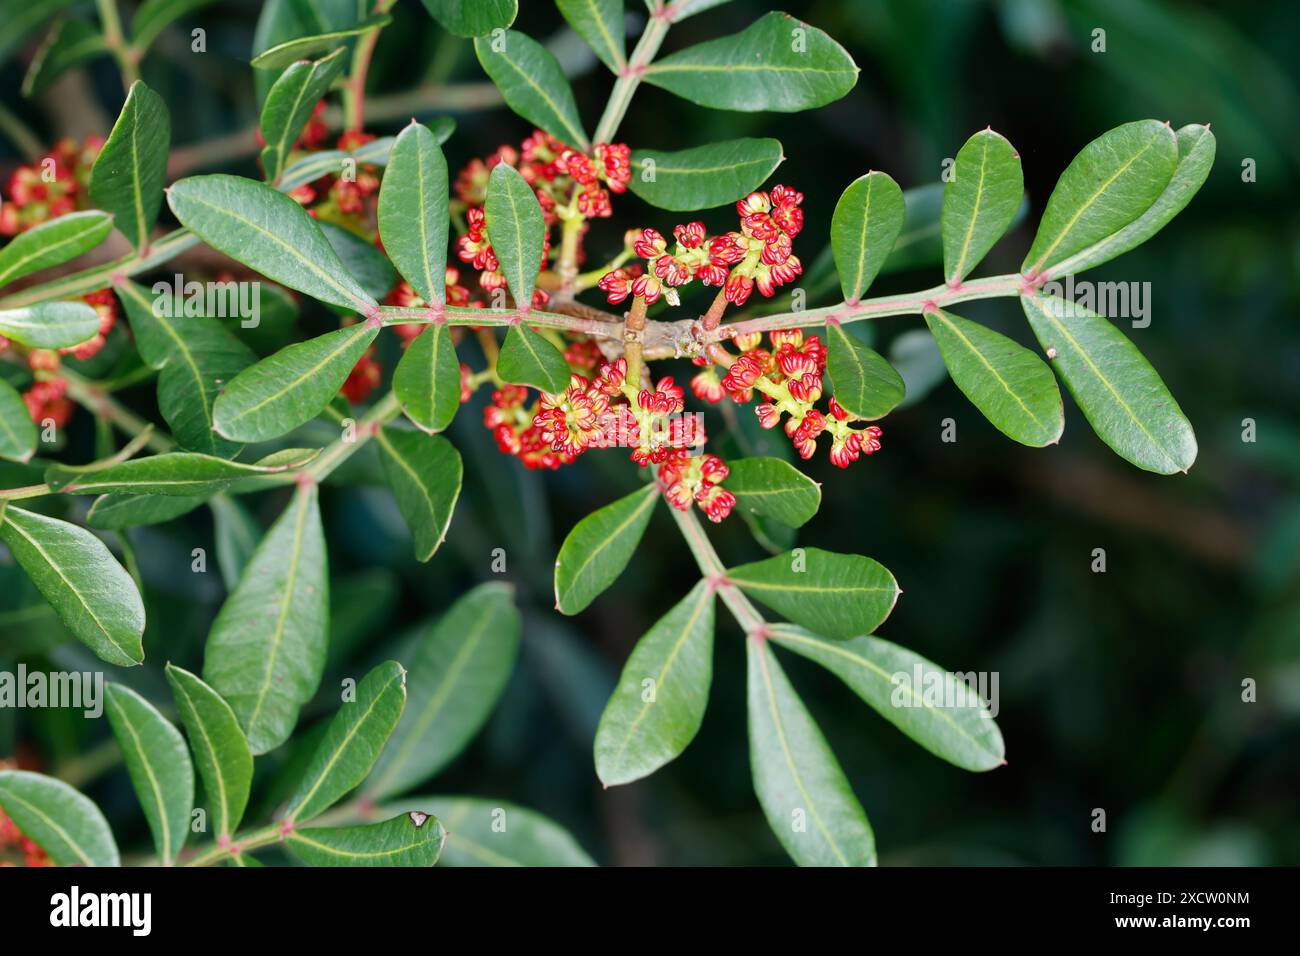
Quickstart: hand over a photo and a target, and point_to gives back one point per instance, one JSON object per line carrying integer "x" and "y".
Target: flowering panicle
{"x": 759, "y": 255}
{"x": 789, "y": 377}
{"x": 56, "y": 185}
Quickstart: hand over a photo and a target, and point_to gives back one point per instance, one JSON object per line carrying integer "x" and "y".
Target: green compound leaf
{"x": 53, "y": 242}
{"x": 412, "y": 212}
{"x": 932, "y": 706}
{"x": 979, "y": 202}
{"x": 658, "y": 706}
{"x": 291, "y": 387}
{"x": 1114, "y": 180}
{"x": 93, "y": 594}
{"x": 599, "y": 548}
{"x": 705, "y": 176}
{"x": 63, "y": 822}
{"x": 17, "y": 430}
{"x": 128, "y": 175}
{"x": 1011, "y": 385}
{"x": 289, "y": 106}
{"x": 838, "y": 595}
{"x": 411, "y": 839}
{"x": 268, "y": 232}
{"x": 221, "y": 753}
{"x": 600, "y": 23}
{"x": 473, "y": 18}
{"x": 496, "y": 833}
{"x": 352, "y": 742}
{"x": 50, "y": 325}
{"x": 425, "y": 473}
{"x": 864, "y": 226}
{"x": 777, "y": 63}
{"x": 459, "y": 668}
{"x": 427, "y": 379}
{"x": 266, "y": 651}
{"x": 1121, "y": 395}
{"x": 517, "y": 229}
{"x": 1196, "y": 148}
{"x": 863, "y": 381}
{"x": 528, "y": 358}
{"x": 283, "y": 54}
{"x": 775, "y": 489}
{"x": 532, "y": 84}
{"x": 804, "y": 794}
{"x": 158, "y": 764}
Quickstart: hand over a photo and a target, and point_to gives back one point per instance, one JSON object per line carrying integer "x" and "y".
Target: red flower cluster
{"x": 346, "y": 201}
{"x": 759, "y": 256}
{"x": 566, "y": 180}
{"x": 686, "y": 479}
{"x": 45, "y": 190}
{"x": 363, "y": 379}
{"x": 475, "y": 248}
{"x": 789, "y": 376}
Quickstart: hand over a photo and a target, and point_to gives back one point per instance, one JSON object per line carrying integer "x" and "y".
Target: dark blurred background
{"x": 1119, "y": 690}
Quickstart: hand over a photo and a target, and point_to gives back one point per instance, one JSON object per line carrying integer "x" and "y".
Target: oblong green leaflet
{"x": 864, "y": 226}
{"x": 704, "y": 176}
{"x": 528, "y": 358}
{"x": 600, "y": 23}
{"x": 93, "y": 594}
{"x": 803, "y": 792}
{"x": 291, "y": 387}
{"x": 50, "y": 325}
{"x": 838, "y": 595}
{"x": 459, "y": 666}
{"x": 266, "y": 650}
{"x": 773, "y": 488}
{"x": 777, "y": 63}
{"x": 53, "y": 242}
{"x": 497, "y": 833}
{"x": 268, "y": 232}
{"x": 412, "y": 212}
{"x": 1120, "y": 394}
{"x": 599, "y": 547}
{"x": 979, "y": 201}
{"x": 128, "y": 175}
{"x": 863, "y": 381}
{"x": 352, "y": 742}
{"x": 658, "y": 705}
{"x": 282, "y": 54}
{"x": 1196, "y": 148}
{"x": 63, "y": 822}
{"x": 427, "y": 379}
{"x": 410, "y": 839}
{"x": 1011, "y": 385}
{"x": 425, "y": 473}
{"x": 117, "y": 512}
{"x": 178, "y": 473}
{"x": 517, "y": 229}
{"x": 158, "y": 764}
{"x": 289, "y": 106}
{"x": 532, "y": 84}
{"x": 472, "y": 18}
{"x": 932, "y": 706}
{"x": 195, "y": 357}
{"x": 221, "y": 753}
{"x": 17, "y": 430}
{"x": 1114, "y": 180}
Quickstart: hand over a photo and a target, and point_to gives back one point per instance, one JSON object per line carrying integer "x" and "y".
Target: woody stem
{"x": 633, "y": 328}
